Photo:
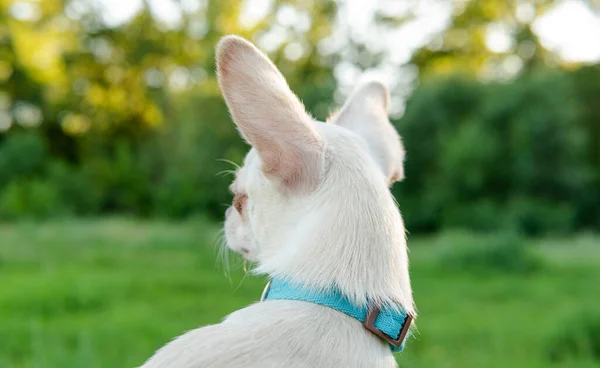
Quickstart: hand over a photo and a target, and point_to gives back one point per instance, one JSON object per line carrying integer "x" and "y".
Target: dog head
{"x": 311, "y": 200}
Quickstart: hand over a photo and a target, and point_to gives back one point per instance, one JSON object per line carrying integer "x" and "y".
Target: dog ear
{"x": 268, "y": 114}
{"x": 366, "y": 114}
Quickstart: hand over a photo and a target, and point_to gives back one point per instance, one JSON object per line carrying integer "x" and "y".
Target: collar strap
{"x": 390, "y": 323}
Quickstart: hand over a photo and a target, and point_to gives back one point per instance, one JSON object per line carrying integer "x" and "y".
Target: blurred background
{"x": 113, "y": 136}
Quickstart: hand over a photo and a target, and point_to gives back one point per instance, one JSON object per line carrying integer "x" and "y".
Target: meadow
{"x": 107, "y": 293}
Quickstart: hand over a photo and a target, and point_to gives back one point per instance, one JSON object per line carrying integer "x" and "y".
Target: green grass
{"x": 108, "y": 293}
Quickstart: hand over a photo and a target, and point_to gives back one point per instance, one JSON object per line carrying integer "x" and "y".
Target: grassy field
{"x": 107, "y": 293}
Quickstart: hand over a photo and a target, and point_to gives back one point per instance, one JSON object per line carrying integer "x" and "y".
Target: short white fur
{"x": 312, "y": 204}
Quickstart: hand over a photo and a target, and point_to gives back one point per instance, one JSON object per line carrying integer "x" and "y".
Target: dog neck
{"x": 356, "y": 244}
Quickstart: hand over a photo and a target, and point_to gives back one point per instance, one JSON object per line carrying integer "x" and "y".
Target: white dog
{"x": 313, "y": 209}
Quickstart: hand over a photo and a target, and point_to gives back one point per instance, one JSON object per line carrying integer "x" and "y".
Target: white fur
{"x": 313, "y": 205}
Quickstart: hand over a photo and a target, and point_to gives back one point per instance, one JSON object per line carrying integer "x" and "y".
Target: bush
{"x": 519, "y": 156}
{"x": 577, "y": 338}
{"x": 22, "y": 155}
{"x": 78, "y": 195}
{"x": 483, "y": 215}
{"x": 500, "y": 252}
{"x": 30, "y": 199}
{"x": 534, "y": 217}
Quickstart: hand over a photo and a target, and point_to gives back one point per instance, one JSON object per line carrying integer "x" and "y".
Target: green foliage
{"x": 25, "y": 191}
{"x": 536, "y": 217}
{"x": 30, "y": 199}
{"x": 129, "y": 118}
{"x": 22, "y": 154}
{"x": 35, "y": 185}
{"x": 577, "y": 337}
{"x": 501, "y": 156}
{"x": 464, "y": 45}
{"x": 78, "y": 194}
{"x": 494, "y": 253}
{"x": 586, "y": 88}
{"x": 482, "y": 215}
{"x": 487, "y": 157}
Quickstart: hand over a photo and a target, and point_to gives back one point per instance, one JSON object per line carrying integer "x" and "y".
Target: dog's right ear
{"x": 366, "y": 114}
{"x": 268, "y": 114}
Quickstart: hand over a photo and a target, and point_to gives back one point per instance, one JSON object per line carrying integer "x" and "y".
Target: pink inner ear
{"x": 297, "y": 169}
{"x": 267, "y": 113}
{"x": 365, "y": 113}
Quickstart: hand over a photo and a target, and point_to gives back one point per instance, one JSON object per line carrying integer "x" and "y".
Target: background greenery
{"x": 502, "y": 196}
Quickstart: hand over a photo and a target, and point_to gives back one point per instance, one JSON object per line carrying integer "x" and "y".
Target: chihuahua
{"x": 311, "y": 206}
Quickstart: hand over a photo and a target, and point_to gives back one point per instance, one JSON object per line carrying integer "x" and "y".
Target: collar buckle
{"x": 369, "y": 324}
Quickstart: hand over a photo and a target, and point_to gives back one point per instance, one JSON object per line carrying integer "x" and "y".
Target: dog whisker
{"x": 226, "y": 172}
{"x": 230, "y": 162}
{"x": 246, "y": 272}
{"x": 223, "y": 254}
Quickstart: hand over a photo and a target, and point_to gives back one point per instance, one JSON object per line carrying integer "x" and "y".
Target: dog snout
{"x": 228, "y": 211}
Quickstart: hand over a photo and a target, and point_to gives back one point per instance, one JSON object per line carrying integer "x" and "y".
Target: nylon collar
{"x": 390, "y": 323}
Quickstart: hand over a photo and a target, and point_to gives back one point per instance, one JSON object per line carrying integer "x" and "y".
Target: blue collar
{"x": 389, "y": 323}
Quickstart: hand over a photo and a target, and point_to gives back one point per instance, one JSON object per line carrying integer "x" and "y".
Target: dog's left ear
{"x": 269, "y": 115}
{"x": 366, "y": 114}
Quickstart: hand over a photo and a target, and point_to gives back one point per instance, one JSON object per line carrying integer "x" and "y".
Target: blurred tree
{"x": 99, "y": 116}
{"x": 134, "y": 108}
{"x": 494, "y": 155}
{"x": 490, "y": 39}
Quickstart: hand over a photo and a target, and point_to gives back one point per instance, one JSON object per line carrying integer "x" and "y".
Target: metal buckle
{"x": 265, "y": 291}
{"x": 369, "y": 324}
